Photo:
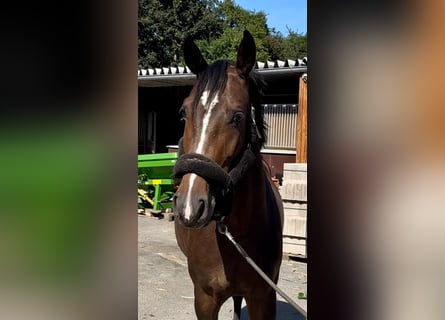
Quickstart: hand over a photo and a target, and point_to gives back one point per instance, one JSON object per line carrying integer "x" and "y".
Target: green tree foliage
{"x": 293, "y": 46}
{"x": 216, "y": 25}
{"x": 236, "y": 20}
{"x": 163, "y": 25}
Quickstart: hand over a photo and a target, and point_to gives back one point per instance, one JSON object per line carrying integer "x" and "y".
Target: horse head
{"x": 217, "y": 115}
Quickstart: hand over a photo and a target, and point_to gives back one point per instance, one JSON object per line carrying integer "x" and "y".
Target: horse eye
{"x": 237, "y": 118}
{"x": 182, "y": 113}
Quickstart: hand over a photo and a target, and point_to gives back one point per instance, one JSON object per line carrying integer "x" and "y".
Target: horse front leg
{"x": 237, "y": 301}
{"x": 262, "y": 306}
{"x": 206, "y": 307}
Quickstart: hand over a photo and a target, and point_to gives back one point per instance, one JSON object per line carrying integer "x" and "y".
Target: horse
{"x": 222, "y": 177}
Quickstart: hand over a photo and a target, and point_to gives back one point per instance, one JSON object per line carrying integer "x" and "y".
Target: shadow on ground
{"x": 284, "y": 312}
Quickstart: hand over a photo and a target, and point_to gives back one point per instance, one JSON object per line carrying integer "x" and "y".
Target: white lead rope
{"x": 222, "y": 228}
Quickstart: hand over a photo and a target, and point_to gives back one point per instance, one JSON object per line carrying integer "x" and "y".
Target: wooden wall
{"x": 301, "y": 143}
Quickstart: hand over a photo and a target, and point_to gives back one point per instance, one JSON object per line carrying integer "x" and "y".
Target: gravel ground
{"x": 166, "y": 291}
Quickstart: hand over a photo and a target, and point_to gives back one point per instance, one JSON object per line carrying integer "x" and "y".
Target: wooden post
{"x": 301, "y": 140}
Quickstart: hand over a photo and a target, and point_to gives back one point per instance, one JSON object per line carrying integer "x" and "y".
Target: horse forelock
{"x": 211, "y": 81}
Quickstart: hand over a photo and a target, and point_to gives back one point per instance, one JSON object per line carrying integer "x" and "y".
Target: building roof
{"x": 182, "y": 76}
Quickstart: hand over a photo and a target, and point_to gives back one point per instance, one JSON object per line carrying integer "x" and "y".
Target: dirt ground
{"x": 166, "y": 291}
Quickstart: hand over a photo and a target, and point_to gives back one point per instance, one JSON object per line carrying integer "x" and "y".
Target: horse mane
{"x": 256, "y": 88}
{"x": 214, "y": 79}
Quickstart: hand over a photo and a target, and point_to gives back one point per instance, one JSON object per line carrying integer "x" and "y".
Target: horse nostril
{"x": 201, "y": 208}
{"x": 175, "y": 204}
{"x": 175, "y": 197}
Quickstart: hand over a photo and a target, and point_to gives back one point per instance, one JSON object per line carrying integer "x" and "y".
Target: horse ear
{"x": 193, "y": 57}
{"x": 246, "y": 55}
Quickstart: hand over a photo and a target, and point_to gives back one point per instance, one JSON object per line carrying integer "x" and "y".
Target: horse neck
{"x": 250, "y": 193}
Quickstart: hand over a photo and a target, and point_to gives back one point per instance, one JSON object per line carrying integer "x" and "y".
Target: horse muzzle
{"x": 201, "y": 181}
{"x": 193, "y": 203}
{"x": 206, "y": 189}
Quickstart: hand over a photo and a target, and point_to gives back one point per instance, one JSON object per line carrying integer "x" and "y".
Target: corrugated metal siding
{"x": 182, "y": 76}
{"x": 282, "y": 123}
{"x": 287, "y": 63}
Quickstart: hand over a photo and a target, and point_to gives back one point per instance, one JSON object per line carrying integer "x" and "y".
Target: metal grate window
{"x": 281, "y": 120}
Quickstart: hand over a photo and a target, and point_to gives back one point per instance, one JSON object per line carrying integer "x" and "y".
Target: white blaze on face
{"x": 208, "y": 107}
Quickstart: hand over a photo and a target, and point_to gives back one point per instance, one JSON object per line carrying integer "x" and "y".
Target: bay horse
{"x": 223, "y": 177}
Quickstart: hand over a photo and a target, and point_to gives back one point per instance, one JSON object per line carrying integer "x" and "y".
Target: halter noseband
{"x": 215, "y": 175}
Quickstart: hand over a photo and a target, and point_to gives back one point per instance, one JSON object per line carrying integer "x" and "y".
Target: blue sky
{"x": 280, "y": 13}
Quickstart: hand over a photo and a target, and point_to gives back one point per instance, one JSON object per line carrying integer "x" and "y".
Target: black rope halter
{"x": 215, "y": 175}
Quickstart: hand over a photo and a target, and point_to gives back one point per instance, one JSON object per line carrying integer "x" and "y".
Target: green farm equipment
{"x": 155, "y": 183}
